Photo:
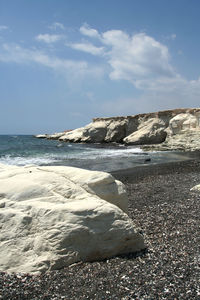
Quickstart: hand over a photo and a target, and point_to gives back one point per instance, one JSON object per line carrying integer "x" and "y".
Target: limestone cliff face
{"x": 142, "y": 129}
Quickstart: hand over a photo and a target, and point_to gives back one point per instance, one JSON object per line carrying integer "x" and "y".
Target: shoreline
{"x": 167, "y": 212}
{"x": 92, "y": 157}
{"x": 139, "y": 172}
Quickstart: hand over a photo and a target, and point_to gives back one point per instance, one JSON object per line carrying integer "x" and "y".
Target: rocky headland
{"x": 177, "y": 129}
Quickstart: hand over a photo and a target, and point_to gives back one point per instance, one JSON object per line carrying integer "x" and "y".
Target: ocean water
{"x": 25, "y": 150}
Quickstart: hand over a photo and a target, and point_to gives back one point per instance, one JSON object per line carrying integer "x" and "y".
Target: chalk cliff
{"x": 169, "y": 129}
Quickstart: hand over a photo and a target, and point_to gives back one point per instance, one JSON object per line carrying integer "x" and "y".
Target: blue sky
{"x": 64, "y": 62}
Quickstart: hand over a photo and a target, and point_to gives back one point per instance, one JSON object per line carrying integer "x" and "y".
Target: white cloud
{"x": 57, "y": 25}
{"x": 145, "y": 62}
{"x": 48, "y": 38}
{"x": 71, "y": 69}
{"x": 137, "y": 57}
{"x": 3, "y": 27}
{"x": 88, "y": 47}
{"x": 86, "y": 30}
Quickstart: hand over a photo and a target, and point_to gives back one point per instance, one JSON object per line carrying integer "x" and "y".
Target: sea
{"x": 23, "y": 150}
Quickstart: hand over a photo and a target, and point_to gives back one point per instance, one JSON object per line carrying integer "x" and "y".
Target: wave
{"x": 89, "y": 154}
{"x": 22, "y": 161}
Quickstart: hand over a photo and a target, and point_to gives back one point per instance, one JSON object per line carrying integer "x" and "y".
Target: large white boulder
{"x": 93, "y": 133}
{"x": 51, "y": 217}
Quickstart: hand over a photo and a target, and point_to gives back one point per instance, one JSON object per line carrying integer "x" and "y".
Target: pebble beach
{"x": 167, "y": 213}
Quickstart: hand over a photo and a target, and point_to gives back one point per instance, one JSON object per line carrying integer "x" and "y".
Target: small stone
{"x": 2, "y": 204}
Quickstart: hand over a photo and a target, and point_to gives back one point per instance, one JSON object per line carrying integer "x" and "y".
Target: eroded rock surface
{"x": 167, "y": 129}
{"x": 183, "y": 122}
{"x": 151, "y": 131}
{"x": 51, "y": 217}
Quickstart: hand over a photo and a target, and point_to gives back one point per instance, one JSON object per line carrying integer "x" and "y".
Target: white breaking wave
{"x": 94, "y": 153}
{"x": 22, "y": 161}
{"x": 82, "y": 154}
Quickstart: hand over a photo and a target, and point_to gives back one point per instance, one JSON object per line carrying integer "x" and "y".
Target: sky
{"x": 64, "y": 62}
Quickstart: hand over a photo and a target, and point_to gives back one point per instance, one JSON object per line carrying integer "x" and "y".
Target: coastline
{"x": 162, "y": 205}
{"x": 23, "y": 150}
{"x": 139, "y": 172}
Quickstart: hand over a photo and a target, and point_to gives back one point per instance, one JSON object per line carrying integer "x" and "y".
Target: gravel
{"x": 167, "y": 212}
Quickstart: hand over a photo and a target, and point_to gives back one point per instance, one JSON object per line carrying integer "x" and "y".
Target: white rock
{"x": 95, "y": 132}
{"x": 144, "y": 129}
{"x": 75, "y": 135}
{"x": 196, "y": 188}
{"x": 151, "y": 131}
{"x": 41, "y": 136}
{"x": 116, "y": 130}
{"x": 183, "y": 122}
{"x": 51, "y": 217}
{"x": 55, "y": 136}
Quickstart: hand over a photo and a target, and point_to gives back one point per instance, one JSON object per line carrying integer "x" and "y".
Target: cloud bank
{"x": 137, "y": 58}
{"x": 144, "y": 62}
{"x": 69, "y": 68}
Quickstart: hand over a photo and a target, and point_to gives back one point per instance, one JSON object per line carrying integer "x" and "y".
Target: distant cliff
{"x": 169, "y": 129}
